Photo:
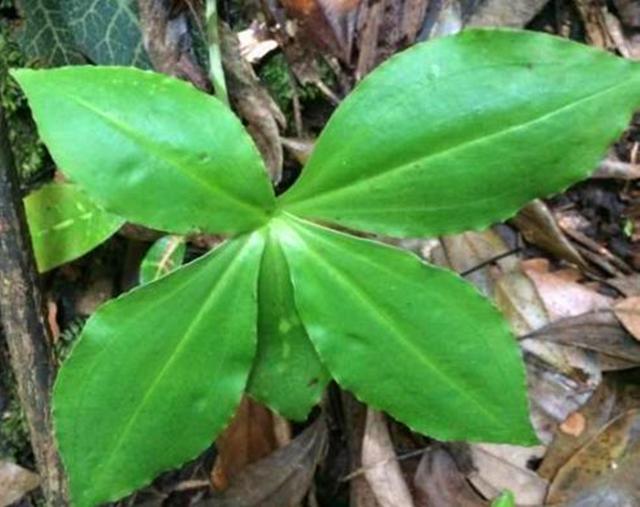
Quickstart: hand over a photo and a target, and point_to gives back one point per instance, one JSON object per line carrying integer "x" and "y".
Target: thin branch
{"x": 21, "y": 317}
{"x": 216, "y": 73}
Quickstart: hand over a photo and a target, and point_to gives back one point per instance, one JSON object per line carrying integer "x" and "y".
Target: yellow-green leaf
{"x": 65, "y": 224}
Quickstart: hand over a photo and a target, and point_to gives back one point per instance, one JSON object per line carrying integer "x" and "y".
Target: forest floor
{"x": 565, "y": 271}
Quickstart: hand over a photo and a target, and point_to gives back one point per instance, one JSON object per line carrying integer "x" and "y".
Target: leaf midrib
{"x": 159, "y": 151}
{"x": 221, "y": 284}
{"x": 421, "y": 160}
{"x": 394, "y": 274}
{"x": 389, "y": 322}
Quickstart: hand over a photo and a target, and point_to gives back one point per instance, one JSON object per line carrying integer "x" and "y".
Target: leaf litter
{"x": 564, "y": 272}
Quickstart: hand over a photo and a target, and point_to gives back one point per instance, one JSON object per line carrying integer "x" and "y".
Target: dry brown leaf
{"x": 439, "y": 483}
{"x": 329, "y": 24}
{"x": 380, "y": 464}
{"x": 628, "y": 312}
{"x": 538, "y": 225}
{"x": 560, "y": 293}
{"x": 613, "y": 168}
{"x": 592, "y": 13}
{"x": 281, "y": 479}
{"x": 449, "y": 19}
{"x": 299, "y": 148}
{"x": 629, "y": 11}
{"x": 611, "y": 399}
{"x": 510, "y": 13}
{"x": 371, "y": 19}
{"x": 597, "y": 331}
{"x": 248, "y": 438}
{"x": 413, "y": 12}
{"x": 503, "y": 467}
{"x": 561, "y": 377}
{"x": 253, "y": 103}
{"x": 355, "y": 416}
{"x": 15, "y": 482}
{"x": 467, "y": 251}
{"x": 255, "y": 42}
{"x": 167, "y": 39}
{"x": 599, "y": 464}
{"x": 627, "y": 285}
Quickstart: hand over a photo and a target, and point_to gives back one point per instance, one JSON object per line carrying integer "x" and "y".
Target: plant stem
{"x": 21, "y": 318}
{"x": 216, "y": 73}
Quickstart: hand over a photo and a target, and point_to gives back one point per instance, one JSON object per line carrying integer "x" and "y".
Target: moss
{"x": 14, "y": 435}
{"x": 274, "y": 74}
{"x": 28, "y": 150}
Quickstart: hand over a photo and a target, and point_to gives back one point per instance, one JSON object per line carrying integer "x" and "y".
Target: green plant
{"x": 65, "y": 224}
{"x": 454, "y": 134}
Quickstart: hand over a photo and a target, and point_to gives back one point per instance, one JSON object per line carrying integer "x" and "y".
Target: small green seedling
{"x": 450, "y": 135}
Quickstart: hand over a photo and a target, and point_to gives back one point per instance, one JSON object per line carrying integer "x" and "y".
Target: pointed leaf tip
{"x": 460, "y": 132}
{"x": 157, "y": 373}
{"x": 417, "y": 341}
{"x": 156, "y": 140}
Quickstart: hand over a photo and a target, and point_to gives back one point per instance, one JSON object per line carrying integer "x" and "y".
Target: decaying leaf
{"x": 355, "y": 415}
{"x": 167, "y": 39}
{"x": 380, "y": 464}
{"x": 629, "y": 11}
{"x": 610, "y": 400}
{"x": 612, "y": 168}
{"x": 560, "y": 292}
{"x": 249, "y": 438}
{"x": 597, "y": 331}
{"x": 628, "y": 312}
{"x": 506, "y": 466}
{"x": 539, "y": 227}
{"x": 253, "y": 103}
{"x": 255, "y": 42}
{"x": 511, "y": 13}
{"x": 280, "y": 479}
{"x": 605, "y": 468}
{"x": 593, "y": 15}
{"x": 439, "y": 483}
{"x": 627, "y": 285}
{"x": 470, "y": 250}
{"x": 15, "y": 482}
{"x": 330, "y": 24}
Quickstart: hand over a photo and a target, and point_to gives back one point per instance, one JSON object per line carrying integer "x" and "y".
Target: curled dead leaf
{"x": 380, "y": 464}
{"x": 439, "y": 483}
{"x": 280, "y": 479}
{"x": 606, "y": 467}
{"x": 253, "y": 103}
{"x": 628, "y": 312}
{"x": 248, "y": 438}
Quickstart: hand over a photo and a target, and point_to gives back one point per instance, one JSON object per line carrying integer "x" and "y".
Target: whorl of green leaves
{"x": 449, "y": 135}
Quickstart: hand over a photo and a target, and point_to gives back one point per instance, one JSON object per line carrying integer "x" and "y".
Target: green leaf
{"x": 150, "y": 148}
{"x": 44, "y": 35}
{"x": 287, "y": 374}
{"x": 107, "y": 31}
{"x": 65, "y": 224}
{"x": 406, "y": 337}
{"x": 157, "y": 373}
{"x": 460, "y": 132}
{"x": 506, "y": 499}
{"x": 164, "y": 256}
